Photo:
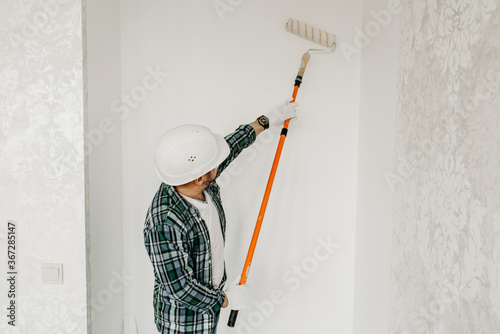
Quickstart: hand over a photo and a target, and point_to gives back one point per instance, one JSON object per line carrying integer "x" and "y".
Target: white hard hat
{"x": 187, "y": 152}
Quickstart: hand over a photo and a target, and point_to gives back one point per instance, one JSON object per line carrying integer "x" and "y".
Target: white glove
{"x": 282, "y": 112}
{"x": 237, "y": 296}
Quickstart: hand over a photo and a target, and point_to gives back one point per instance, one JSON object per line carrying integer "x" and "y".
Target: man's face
{"x": 209, "y": 177}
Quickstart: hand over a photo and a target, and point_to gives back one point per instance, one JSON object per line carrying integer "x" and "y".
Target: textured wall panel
{"x": 446, "y": 273}
{"x": 42, "y": 185}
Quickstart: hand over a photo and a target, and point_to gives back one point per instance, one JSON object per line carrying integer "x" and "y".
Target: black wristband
{"x": 263, "y": 121}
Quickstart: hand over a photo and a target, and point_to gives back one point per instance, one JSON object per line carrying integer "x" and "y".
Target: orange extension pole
{"x": 267, "y": 193}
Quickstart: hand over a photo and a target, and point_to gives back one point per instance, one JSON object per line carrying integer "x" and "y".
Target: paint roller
{"x": 323, "y": 38}
{"x": 311, "y": 33}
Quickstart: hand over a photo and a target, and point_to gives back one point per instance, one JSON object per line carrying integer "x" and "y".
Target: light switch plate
{"x": 52, "y": 273}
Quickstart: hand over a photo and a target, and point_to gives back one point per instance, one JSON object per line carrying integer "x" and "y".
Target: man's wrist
{"x": 226, "y": 301}
{"x": 256, "y": 127}
{"x": 263, "y": 121}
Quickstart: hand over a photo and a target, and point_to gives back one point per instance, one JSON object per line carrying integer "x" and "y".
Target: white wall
{"x": 42, "y": 164}
{"x": 105, "y": 177}
{"x": 225, "y": 73}
{"x": 377, "y": 115}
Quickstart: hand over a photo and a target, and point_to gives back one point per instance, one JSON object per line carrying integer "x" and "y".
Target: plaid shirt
{"x": 178, "y": 244}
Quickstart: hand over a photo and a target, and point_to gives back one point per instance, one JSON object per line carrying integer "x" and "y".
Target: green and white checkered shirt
{"x": 178, "y": 244}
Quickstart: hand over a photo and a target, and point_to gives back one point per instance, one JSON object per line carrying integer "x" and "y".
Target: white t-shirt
{"x": 210, "y": 215}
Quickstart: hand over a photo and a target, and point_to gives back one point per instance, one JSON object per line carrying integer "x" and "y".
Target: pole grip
{"x": 232, "y": 318}
{"x": 303, "y": 64}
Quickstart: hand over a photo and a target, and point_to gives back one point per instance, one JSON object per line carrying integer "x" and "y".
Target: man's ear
{"x": 198, "y": 181}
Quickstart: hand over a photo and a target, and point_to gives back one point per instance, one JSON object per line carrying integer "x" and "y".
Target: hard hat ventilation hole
{"x": 192, "y": 158}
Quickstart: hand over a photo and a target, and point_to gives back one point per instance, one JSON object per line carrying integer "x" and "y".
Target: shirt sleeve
{"x": 169, "y": 254}
{"x": 240, "y": 139}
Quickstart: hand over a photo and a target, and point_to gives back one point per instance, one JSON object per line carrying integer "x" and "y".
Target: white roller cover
{"x": 311, "y": 33}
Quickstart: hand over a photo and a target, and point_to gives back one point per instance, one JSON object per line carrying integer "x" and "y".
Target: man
{"x": 185, "y": 226}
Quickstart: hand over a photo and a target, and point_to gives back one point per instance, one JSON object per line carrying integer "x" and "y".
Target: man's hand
{"x": 282, "y": 112}
{"x": 278, "y": 115}
{"x": 236, "y": 296}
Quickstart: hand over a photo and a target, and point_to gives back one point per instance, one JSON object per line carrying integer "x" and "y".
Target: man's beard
{"x": 209, "y": 180}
